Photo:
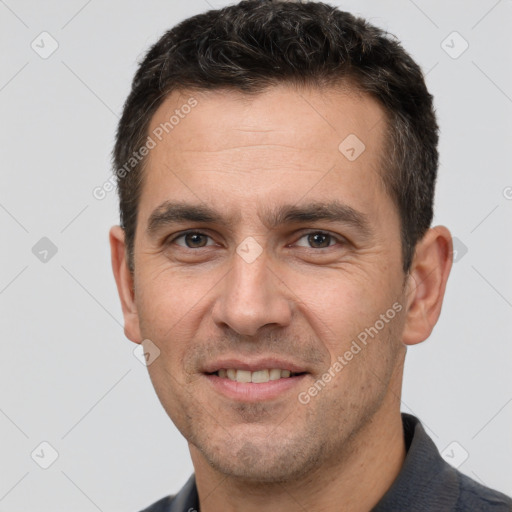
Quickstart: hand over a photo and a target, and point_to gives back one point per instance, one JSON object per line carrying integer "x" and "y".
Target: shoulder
{"x": 475, "y": 496}
{"x": 162, "y": 505}
{"x": 186, "y": 500}
{"x": 427, "y": 482}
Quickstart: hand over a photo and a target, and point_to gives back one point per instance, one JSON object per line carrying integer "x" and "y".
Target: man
{"x": 276, "y": 165}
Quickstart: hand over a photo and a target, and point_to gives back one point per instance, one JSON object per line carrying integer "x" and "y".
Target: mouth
{"x": 256, "y": 377}
{"x": 258, "y": 381}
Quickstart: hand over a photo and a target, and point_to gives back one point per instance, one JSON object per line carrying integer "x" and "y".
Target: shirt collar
{"x": 187, "y": 500}
{"x": 423, "y": 476}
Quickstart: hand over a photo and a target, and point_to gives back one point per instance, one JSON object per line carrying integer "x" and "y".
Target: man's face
{"x": 261, "y": 286}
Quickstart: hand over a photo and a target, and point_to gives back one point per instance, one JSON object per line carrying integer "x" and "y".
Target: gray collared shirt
{"x": 425, "y": 483}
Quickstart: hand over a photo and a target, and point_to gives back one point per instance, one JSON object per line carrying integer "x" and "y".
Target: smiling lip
{"x": 253, "y": 366}
{"x": 253, "y": 391}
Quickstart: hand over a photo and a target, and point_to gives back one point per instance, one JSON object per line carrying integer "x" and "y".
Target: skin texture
{"x": 304, "y": 299}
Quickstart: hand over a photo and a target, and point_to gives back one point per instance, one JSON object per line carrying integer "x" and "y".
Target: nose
{"x": 252, "y": 296}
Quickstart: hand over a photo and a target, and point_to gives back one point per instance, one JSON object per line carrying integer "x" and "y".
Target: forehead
{"x": 226, "y": 147}
{"x": 304, "y": 117}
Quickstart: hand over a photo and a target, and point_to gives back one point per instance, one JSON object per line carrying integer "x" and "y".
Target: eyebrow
{"x": 171, "y": 212}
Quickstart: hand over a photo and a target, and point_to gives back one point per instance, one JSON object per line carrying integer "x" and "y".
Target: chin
{"x": 269, "y": 460}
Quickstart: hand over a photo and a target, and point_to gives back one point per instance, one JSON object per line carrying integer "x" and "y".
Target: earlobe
{"x": 426, "y": 284}
{"x": 124, "y": 282}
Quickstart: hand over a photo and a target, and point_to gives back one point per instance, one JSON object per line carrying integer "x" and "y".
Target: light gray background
{"x": 68, "y": 374}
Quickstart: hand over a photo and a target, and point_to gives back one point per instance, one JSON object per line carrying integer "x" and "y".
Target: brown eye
{"x": 192, "y": 239}
{"x": 318, "y": 240}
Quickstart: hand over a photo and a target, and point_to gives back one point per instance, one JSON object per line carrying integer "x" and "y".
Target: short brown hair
{"x": 256, "y": 44}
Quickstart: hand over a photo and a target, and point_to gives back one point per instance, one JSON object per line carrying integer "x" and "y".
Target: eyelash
{"x": 335, "y": 238}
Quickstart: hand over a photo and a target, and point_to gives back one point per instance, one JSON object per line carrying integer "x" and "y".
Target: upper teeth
{"x": 248, "y": 376}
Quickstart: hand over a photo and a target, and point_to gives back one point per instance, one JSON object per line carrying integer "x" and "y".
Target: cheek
{"x": 340, "y": 304}
{"x": 168, "y": 302}
{"x": 363, "y": 360}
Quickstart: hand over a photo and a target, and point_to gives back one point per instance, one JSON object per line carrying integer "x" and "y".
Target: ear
{"x": 124, "y": 281}
{"x": 426, "y": 284}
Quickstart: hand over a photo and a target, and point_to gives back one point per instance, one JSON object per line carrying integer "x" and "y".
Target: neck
{"x": 352, "y": 481}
